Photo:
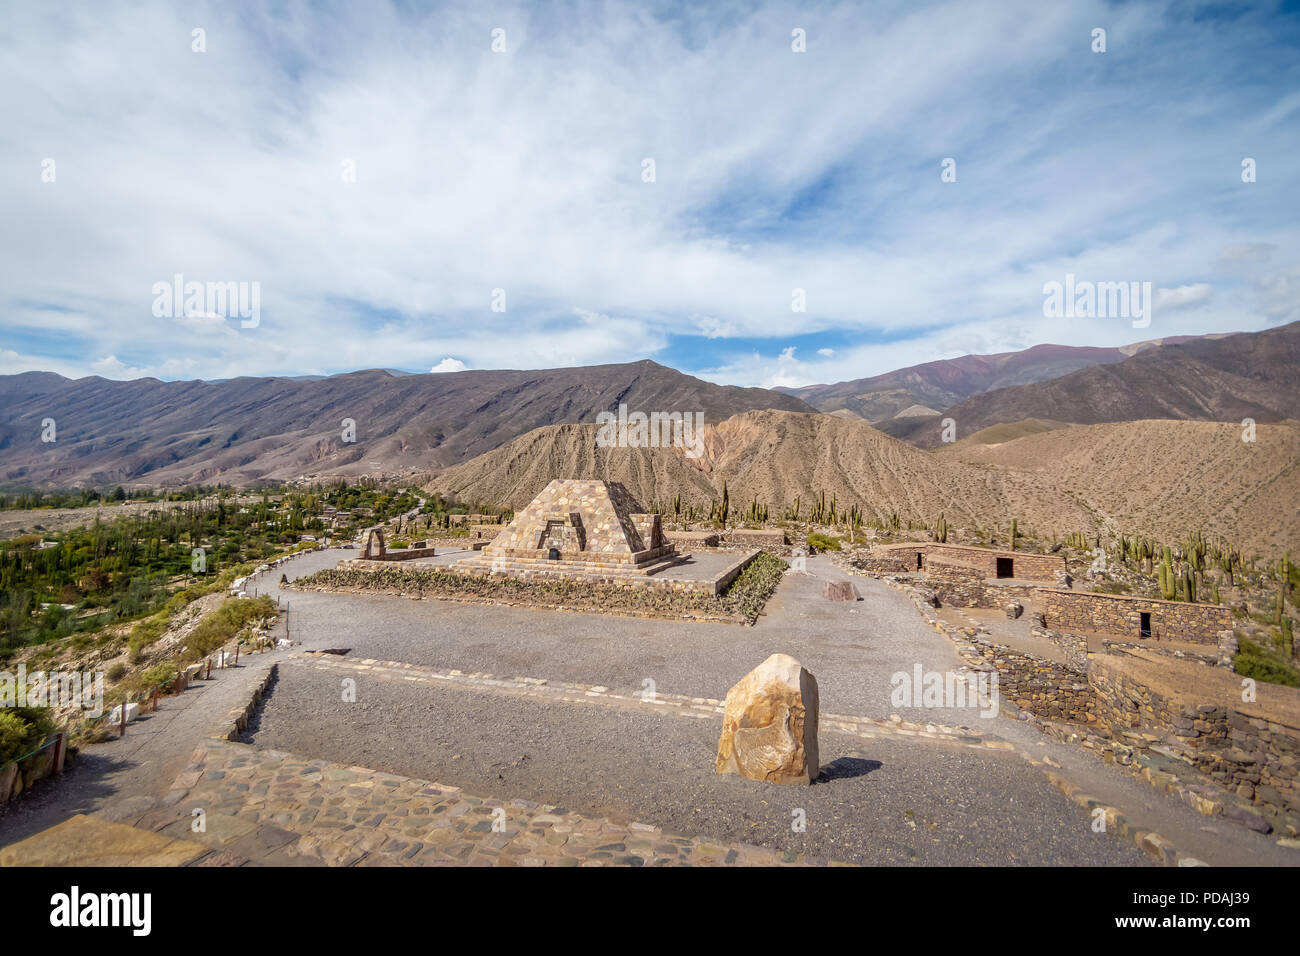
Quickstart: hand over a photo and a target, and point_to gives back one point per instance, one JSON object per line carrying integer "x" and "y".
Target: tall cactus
{"x": 941, "y": 530}
{"x": 1013, "y": 534}
{"x": 1167, "y": 585}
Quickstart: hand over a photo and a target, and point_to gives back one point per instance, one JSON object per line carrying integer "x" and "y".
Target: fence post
{"x": 236, "y": 652}
{"x": 122, "y": 728}
{"x": 209, "y": 677}
{"x": 154, "y": 700}
{"x": 60, "y": 748}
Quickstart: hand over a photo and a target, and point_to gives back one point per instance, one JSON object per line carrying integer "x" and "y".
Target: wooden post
{"x": 60, "y": 748}
{"x": 122, "y": 728}
{"x": 154, "y": 696}
{"x": 236, "y": 652}
{"x": 209, "y": 668}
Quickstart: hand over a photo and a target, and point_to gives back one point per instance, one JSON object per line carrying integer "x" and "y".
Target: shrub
{"x": 116, "y": 671}
{"x": 225, "y": 622}
{"x": 22, "y": 729}
{"x": 163, "y": 676}
{"x": 1256, "y": 661}
{"x": 823, "y": 542}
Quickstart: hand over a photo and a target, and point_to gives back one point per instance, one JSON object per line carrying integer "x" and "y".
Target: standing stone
{"x": 1014, "y": 609}
{"x": 840, "y": 591}
{"x": 769, "y": 724}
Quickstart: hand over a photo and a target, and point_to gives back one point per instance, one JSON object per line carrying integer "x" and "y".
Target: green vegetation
{"x": 823, "y": 542}
{"x": 223, "y": 624}
{"x": 22, "y": 730}
{"x": 748, "y": 594}
{"x": 1264, "y": 664}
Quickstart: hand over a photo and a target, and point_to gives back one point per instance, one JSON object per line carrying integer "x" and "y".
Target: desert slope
{"x": 1163, "y": 478}
{"x": 1156, "y": 478}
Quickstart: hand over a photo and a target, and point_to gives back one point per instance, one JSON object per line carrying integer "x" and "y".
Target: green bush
{"x": 225, "y": 622}
{"x": 823, "y": 542}
{"x": 163, "y": 676}
{"x": 22, "y": 729}
{"x": 1259, "y": 662}
{"x": 116, "y": 671}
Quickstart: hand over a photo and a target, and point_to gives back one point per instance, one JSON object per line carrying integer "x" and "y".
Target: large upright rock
{"x": 769, "y": 724}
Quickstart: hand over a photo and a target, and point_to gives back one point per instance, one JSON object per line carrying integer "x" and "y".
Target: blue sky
{"x": 522, "y": 170}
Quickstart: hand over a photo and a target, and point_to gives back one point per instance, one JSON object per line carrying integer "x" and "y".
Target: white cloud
{"x": 522, "y": 172}
{"x": 1183, "y": 296}
{"x": 449, "y": 365}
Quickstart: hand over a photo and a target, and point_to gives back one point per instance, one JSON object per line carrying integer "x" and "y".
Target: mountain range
{"x": 1044, "y": 434}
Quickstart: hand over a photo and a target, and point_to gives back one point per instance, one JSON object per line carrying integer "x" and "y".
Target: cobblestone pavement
{"x": 266, "y": 806}
{"x": 121, "y": 779}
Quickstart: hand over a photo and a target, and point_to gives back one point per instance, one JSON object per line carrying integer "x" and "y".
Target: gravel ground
{"x": 852, "y": 650}
{"x": 886, "y": 802}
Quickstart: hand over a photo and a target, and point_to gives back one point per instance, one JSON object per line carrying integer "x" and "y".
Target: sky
{"x": 435, "y": 187}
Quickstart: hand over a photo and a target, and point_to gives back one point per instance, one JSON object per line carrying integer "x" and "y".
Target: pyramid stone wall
{"x": 597, "y": 527}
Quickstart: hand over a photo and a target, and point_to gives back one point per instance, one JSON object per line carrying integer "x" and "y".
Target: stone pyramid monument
{"x": 587, "y": 529}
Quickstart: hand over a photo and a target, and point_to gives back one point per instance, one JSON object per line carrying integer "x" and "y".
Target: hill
{"x": 940, "y": 384}
{"x": 1220, "y": 378}
{"x": 243, "y": 430}
{"x": 1157, "y": 478}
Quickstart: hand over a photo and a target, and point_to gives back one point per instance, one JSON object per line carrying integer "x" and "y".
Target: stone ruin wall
{"x": 959, "y": 586}
{"x": 1118, "y": 614}
{"x": 901, "y": 558}
{"x": 1256, "y": 758}
{"x": 754, "y": 538}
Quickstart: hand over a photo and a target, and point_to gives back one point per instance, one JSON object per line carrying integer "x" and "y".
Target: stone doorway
{"x": 1006, "y": 568}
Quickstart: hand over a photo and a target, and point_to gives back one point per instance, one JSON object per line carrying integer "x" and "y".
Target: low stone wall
{"x": 1247, "y": 754}
{"x": 747, "y": 538}
{"x": 687, "y": 540}
{"x": 236, "y": 721}
{"x": 1037, "y": 686}
{"x": 406, "y": 554}
{"x": 19, "y": 775}
{"x": 966, "y": 587}
{"x": 1120, "y": 614}
{"x": 1025, "y": 566}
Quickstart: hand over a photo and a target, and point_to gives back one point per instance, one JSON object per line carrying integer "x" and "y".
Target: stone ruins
{"x": 587, "y": 529}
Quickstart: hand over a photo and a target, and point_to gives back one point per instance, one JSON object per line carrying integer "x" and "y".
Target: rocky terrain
{"x": 1157, "y": 478}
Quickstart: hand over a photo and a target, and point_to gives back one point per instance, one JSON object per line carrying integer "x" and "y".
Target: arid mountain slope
{"x": 1164, "y": 478}
{"x": 241, "y": 430}
{"x": 946, "y": 382}
{"x": 1143, "y": 477}
{"x": 1221, "y": 378}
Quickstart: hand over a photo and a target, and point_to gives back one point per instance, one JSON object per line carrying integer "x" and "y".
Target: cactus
{"x": 1288, "y": 643}
{"x": 1189, "y": 584}
{"x": 1167, "y": 588}
{"x": 941, "y": 530}
{"x": 1013, "y": 534}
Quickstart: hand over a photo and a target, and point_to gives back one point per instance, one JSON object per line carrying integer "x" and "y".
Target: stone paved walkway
{"x": 266, "y": 806}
